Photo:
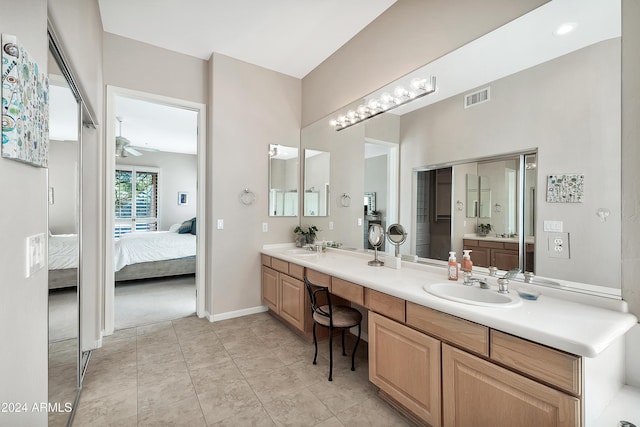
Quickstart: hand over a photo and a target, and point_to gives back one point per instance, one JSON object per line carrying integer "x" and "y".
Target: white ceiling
{"x": 289, "y": 36}
{"x": 271, "y": 34}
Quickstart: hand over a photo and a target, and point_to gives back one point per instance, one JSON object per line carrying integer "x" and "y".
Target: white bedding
{"x": 134, "y": 248}
{"x": 131, "y": 248}
{"x": 63, "y": 251}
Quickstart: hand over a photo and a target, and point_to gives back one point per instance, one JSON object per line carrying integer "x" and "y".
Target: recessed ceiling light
{"x": 565, "y": 28}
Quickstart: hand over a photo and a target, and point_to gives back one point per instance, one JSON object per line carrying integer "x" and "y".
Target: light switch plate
{"x": 558, "y": 245}
{"x": 553, "y": 226}
{"x": 35, "y": 253}
{"x": 359, "y": 222}
{"x": 330, "y": 225}
{"x": 220, "y": 224}
{"x": 265, "y": 227}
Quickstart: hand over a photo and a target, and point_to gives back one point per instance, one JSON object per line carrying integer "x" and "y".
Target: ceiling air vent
{"x": 475, "y": 98}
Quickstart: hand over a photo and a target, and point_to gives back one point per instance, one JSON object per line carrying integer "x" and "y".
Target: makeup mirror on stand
{"x": 396, "y": 235}
{"x": 376, "y": 236}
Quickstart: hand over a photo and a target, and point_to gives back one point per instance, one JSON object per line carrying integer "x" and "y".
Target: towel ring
{"x": 345, "y": 200}
{"x": 247, "y": 197}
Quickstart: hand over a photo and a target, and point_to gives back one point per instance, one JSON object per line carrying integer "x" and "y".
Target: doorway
{"x": 155, "y": 209}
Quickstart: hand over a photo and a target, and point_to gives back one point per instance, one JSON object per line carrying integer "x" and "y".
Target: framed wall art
{"x": 25, "y": 106}
{"x": 565, "y": 188}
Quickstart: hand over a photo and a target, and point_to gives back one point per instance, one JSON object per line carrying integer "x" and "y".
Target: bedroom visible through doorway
{"x": 154, "y": 214}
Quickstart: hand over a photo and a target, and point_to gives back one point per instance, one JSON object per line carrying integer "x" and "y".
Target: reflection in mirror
{"x": 63, "y": 214}
{"x": 499, "y": 212}
{"x": 433, "y": 213}
{"x": 485, "y": 197}
{"x": 472, "y": 195}
{"x": 283, "y": 180}
{"x": 316, "y": 183}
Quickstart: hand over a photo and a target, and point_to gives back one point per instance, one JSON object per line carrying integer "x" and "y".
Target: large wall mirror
{"x": 494, "y": 225}
{"x": 317, "y": 168}
{"x": 283, "y": 180}
{"x": 552, "y": 107}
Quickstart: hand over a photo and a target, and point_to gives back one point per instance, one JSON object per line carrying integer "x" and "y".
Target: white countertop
{"x": 573, "y": 327}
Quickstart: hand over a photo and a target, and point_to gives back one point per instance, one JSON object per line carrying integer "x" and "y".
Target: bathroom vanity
{"x": 548, "y": 362}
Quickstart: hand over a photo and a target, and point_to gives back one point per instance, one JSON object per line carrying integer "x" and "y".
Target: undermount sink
{"x": 473, "y": 295}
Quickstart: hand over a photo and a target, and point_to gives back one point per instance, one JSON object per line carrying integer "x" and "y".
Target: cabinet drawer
{"x": 280, "y": 265}
{"x": 552, "y": 366}
{"x": 386, "y": 305}
{"x": 347, "y": 290}
{"x": 490, "y": 244}
{"x": 512, "y": 246}
{"x": 318, "y": 278}
{"x": 296, "y": 271}
{"x": 266, "y": 260}
{"x": 466, "y": 334}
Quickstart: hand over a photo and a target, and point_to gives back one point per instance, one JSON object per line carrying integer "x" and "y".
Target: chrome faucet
{"x": 470, "y": 281}
{"x": 503, "y": 282}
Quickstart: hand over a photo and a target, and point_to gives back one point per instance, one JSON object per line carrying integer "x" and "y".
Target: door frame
{"x": 110, "y": 164}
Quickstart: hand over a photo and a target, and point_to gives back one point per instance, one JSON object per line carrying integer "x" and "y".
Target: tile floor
{"x": 249, "y": 371}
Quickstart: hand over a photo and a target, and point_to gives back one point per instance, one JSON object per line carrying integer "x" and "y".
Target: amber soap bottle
{"x": 453, "y": 266}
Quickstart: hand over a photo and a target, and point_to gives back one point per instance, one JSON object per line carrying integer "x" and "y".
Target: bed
{"x": 136, "y": 256}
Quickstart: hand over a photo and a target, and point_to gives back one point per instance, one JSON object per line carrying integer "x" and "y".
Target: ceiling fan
{"x": 124, "y": 148}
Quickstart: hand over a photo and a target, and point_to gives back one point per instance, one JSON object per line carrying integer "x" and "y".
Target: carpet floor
{"x": 137, "y": 303}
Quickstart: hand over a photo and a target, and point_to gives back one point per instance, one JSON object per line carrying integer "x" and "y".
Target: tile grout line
{"x": 189, "y": 372}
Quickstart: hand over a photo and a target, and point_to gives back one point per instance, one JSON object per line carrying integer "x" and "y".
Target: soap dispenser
{"x": 467, "y": 264}
{"x": 453, "y": 266}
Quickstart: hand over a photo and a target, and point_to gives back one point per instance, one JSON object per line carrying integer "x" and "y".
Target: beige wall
{"x": 131, "y": 64}
{"x": 631, "y": 154}
{"x": 250, "y": 108}
{"x": 23, "y": 301}
{"x": 406, "y": 36}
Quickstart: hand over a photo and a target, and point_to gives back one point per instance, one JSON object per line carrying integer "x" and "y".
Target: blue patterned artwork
{"x": 25, "y": 106}
{"x": 565, "y": 188}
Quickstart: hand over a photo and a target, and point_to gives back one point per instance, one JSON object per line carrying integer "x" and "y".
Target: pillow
{"x": 174, "y": 228}
{"x": 185, "y": 227}
{"x": 193, "y": 226}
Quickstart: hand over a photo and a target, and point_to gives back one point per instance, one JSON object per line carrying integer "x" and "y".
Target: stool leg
{"x": 315, "y": 343}
{"x": 344, "y": 353}
{"x": 330, "y": 354}
{"x": 353, "y": 356}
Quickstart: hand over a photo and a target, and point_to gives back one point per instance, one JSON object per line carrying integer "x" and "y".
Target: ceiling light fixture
{"x": 418, "y": 88}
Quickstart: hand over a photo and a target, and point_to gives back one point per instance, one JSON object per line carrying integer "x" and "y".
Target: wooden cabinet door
{"x": 405, "y": 364}
{"x": 481, "y": 257}
{"x": 504, "y": 259}
{"x": 270, "y": 288}
{"x": 477, "y": 393}
{"x": 292, "y": 300}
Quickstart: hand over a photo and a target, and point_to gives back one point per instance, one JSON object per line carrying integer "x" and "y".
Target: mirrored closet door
{"x": 67, "y": 363}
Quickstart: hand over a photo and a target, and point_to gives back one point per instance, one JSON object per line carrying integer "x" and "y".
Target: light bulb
{"x": 362, "y": 110}
{"x": 418, "y": 83}
{"x": 333, "y": 122}
{"x": 386, "y": 98}
{"x": 351, "y": 114}
{"x": 373, "y": 104}
{"x": 400, "y": 92}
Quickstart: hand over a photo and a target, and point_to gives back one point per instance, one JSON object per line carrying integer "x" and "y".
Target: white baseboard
{"x": 92, "y": 345}
{"x": 237, "y": 313}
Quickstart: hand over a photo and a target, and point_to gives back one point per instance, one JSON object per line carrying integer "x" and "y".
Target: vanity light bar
{"x": 418, "y": 88}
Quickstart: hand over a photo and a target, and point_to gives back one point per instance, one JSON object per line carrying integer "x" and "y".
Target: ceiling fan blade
{"x": 132, "y": 151}
{"x": 141, "y": 148}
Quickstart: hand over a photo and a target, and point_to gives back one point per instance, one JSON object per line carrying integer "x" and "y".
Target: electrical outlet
{"x": 558, "y": 245}
{"x": 330, "y": 225}
{"x": 265, "y": 227}
{"x": 359, "y": 222}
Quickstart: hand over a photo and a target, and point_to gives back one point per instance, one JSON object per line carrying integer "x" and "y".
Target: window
{"x": 136, "y": 200}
